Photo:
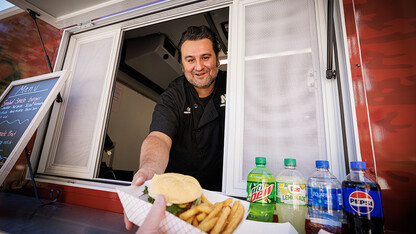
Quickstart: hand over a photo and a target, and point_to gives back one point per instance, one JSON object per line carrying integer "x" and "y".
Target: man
{"x": 187, "y": 130}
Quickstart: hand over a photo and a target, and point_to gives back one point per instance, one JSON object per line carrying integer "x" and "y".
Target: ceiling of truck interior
{"x": 159, "y": 70}
{"x": 174, "y": 28}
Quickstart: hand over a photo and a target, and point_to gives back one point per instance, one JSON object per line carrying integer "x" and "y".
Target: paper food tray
{"x": 136, "y": 210}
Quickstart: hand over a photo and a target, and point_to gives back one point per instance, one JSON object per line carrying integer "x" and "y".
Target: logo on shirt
{"x": 187, "y": 111}
{"x": 223, "y": 99}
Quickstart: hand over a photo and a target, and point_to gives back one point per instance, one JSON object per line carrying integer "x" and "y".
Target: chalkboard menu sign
{"x": 23, "y": 105}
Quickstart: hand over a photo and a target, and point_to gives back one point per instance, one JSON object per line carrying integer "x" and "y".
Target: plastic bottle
{"x": 261, "y": 192}
{"x": 324, "y": 201}
{"x": 363, "y": 206}
{"x": 291, "y": 196}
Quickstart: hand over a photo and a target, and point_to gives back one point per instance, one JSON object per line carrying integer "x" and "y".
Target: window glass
{"x": 283, "y": 108}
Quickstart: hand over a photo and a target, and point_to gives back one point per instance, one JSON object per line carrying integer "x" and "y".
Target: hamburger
{"x": 180, "y": 191}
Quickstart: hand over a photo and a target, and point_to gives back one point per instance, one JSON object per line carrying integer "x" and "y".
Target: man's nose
{"x": 199, "y": 65}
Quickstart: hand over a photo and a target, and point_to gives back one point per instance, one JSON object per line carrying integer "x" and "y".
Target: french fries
{"x": 215, "y": 218}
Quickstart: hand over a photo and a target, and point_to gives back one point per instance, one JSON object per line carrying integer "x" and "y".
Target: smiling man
{"x": 187, "y": 130}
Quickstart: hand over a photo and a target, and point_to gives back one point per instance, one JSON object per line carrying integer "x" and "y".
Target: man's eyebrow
{"x": 202, "y": 55}
{"x": 189, "y": 56}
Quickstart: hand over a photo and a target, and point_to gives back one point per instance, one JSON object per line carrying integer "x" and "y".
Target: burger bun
{"x": 176, "y": 188}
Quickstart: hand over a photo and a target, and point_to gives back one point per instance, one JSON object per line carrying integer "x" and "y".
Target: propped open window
{"x": 75, "y": 129}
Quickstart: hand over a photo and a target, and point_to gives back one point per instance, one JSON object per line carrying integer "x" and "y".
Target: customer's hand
{"x": 154, "y": 217}
{"x": 139, "y": 178}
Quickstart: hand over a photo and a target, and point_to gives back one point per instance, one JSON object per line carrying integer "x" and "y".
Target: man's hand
{"x": 143, "y": 175}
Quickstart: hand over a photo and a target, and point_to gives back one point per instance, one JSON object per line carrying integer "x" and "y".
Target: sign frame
{"x": 37, "y": 119}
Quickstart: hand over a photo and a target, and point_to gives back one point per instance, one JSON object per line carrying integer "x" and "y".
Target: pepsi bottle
{"x": 363, "y": 207}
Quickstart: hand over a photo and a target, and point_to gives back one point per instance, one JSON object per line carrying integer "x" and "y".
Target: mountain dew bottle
{"x": 261, "y": 192}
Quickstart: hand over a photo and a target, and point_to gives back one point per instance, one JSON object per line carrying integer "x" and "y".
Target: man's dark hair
{"x": 194, "y": 33}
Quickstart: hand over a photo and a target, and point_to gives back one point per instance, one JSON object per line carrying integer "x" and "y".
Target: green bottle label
{"x": 260, "y": 192}
{"x": 291, "y": 193}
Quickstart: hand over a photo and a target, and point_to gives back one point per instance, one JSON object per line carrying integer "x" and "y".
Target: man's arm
{"x": 154, "y": 157}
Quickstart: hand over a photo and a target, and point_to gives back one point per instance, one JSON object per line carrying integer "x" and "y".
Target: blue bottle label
{"x": 328, "y": 199}
{"x": 363, "y": 202}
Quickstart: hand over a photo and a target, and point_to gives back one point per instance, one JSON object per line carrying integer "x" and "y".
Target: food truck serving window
{"x": 278, "y": 102}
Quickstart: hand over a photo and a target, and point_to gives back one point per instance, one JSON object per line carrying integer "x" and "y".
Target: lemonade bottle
{"x": 291, "y": 203}
{"x": 261, "y": 192}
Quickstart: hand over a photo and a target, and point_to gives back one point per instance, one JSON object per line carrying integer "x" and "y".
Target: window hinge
{"x": 86, "y": 24}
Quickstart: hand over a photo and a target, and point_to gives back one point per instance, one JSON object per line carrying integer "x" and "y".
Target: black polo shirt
{"x": 196, "y": 128}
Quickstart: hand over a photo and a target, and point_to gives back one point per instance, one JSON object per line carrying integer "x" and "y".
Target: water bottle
{"x": 291, "y": 196}
{"x": 261, "y": 192}
{"x": 363, "y": 206}
{"x": 324, "y": 201}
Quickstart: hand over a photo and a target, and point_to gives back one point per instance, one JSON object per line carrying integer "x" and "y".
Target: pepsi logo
{"x": 361, "y": 202}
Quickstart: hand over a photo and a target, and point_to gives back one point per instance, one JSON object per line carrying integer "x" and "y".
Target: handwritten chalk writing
{"x": 17, "y": 120}
{"x": 3, "y": 112}
{"x": 11, "y": 133}
{"x": 20, "y": 100}
{"x": 17, "y": 106}
{"x": 33, "y": 99}
{"x": 8, "y": 102}
{"x": 5, "y": 116}
{"x": 16, "y": 111}
{"x": 4, "y": 133}
{"x": 27, "y": 89}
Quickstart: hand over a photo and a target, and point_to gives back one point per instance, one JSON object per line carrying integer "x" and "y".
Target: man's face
{"x": 199, "y": 63}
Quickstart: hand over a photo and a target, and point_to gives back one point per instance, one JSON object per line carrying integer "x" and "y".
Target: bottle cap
{"x": 290, "y": 162}
{"x": 358, "y": 165}
{"x": 261, "y": 160}
{"x": 322, "y": 164}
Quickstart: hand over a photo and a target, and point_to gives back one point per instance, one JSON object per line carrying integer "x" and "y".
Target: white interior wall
{"x": 131, "y": 114}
